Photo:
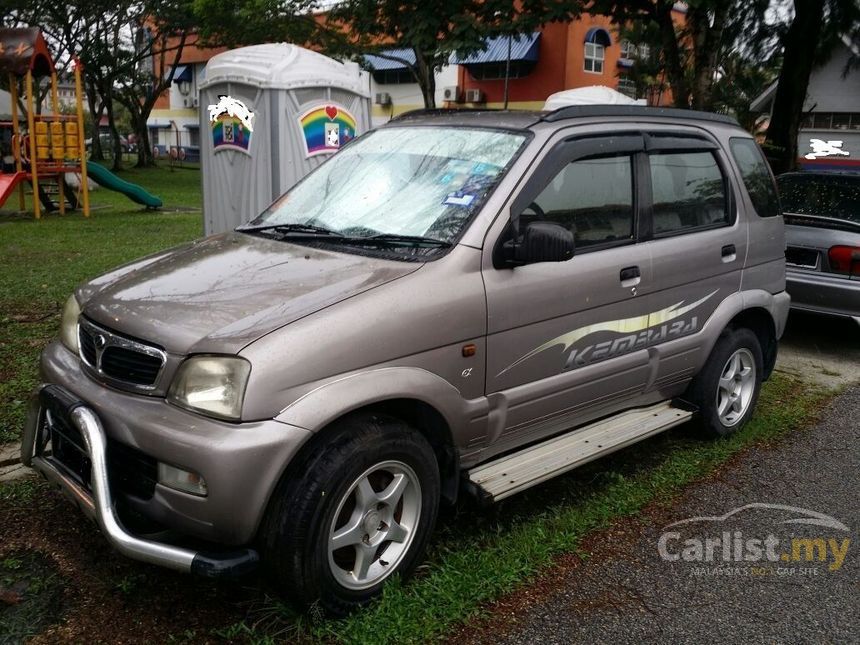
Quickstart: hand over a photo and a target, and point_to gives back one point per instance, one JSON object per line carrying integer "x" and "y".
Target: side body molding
{"x": 333, "y": 399}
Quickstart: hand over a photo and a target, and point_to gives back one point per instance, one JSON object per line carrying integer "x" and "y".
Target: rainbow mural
{"x": 229, "y": 132}
{"x": 325, "y": 128}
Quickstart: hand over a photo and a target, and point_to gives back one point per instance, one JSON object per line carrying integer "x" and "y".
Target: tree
{"x": 432, "y": 30}
{"x": 691, "y": 46}
{"x": 815, "y": 28}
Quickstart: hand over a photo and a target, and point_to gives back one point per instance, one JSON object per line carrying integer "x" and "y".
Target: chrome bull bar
{"x": 100, "y": 505}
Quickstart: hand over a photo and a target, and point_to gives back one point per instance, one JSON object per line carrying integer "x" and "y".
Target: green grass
{"x": 41, "y": 262}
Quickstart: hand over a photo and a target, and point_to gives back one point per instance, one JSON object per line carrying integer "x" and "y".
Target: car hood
{"x": 221, "y": 293}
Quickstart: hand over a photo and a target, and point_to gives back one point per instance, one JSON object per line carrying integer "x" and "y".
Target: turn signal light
{"x": 845, "y": 260}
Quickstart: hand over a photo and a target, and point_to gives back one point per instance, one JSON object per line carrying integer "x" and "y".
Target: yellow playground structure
{"x": 51, "y": 144}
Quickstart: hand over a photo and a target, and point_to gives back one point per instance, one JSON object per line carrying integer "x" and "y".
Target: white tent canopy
{"x": 592, "y": 95}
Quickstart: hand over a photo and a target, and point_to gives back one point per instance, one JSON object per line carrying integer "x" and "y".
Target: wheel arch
{"x": 760, "y": 321}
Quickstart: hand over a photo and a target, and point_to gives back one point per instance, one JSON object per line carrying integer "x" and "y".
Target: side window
{"x": 689, "y": 192}
{"x": 756, "y": 176}
{"x": 593, "y": 198}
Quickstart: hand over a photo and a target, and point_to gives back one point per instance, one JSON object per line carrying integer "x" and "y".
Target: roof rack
{"x": 579, "y": 111}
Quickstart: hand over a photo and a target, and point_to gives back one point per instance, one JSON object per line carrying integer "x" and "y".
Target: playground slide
{"x": 105, "y": 178}
{"x": 8, "y": 183}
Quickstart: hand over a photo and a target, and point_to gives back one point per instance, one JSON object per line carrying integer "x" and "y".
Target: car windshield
{"x": 397, "y": 183}
{"x": 837, "y": 197}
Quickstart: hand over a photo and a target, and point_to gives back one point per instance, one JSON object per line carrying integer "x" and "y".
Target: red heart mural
{"x": 331, "y": 112}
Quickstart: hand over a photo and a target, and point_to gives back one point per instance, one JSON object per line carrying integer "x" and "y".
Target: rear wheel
{"x": 727, "y": 388}
{"x": 358, "y": 508}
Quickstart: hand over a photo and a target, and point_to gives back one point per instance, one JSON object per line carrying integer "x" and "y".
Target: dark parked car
{"x": 822, "y": 216}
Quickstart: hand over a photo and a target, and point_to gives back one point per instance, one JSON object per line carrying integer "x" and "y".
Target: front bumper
{"x": 822, "y": 293}
{"x": 96, "y": 499}
{"x": 241, "y": 462}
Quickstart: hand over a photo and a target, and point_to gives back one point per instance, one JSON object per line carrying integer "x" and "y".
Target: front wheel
{"x": 359, "y": 507}
{"x": 727, "y": 388}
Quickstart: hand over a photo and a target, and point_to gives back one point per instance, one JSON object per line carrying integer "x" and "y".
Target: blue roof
{"x": 379, "y": 64}
{"x": 598, "y": 35}
{"x": 182, "y": 73}
{"x": 523, "y": 47}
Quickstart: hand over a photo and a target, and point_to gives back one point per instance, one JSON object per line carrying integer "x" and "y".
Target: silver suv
{"x": 456, "y": 303}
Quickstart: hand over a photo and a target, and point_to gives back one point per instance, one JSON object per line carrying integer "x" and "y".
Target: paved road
{"x": 820, "y": 349}
{"x": 632, "y": 595}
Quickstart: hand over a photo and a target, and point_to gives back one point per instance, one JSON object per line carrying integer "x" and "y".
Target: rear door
{"x": 698, "y": 244}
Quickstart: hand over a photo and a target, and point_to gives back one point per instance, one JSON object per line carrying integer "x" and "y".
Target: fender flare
{"x": 332, "y": 400}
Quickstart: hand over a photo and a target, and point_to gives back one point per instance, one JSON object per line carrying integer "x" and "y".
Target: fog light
{"x": 184, "y": 480}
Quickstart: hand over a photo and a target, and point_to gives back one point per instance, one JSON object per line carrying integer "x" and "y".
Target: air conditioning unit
{"x": 187, "y": 102}
{"x": 474, "y": 96}
{"x": 382, "y": 98}
{"x": 195, "y": 102}
{"x": 451, "y": 94}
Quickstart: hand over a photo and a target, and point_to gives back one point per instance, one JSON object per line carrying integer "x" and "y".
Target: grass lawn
{"x": 41, "y": 262}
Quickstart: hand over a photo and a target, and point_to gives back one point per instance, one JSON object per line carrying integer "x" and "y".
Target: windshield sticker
{"x": 325, "y": 128}
{"x": 232, "y": 124}
{"x": 459, "y": 198}
{"x": 482, "y": 168}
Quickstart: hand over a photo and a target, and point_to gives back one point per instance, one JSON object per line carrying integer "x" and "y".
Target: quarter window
{"x": 756, "y": 176}
{"x": 593, "y": 198}
{"x": 593, "y": 60}
{"x": 688, "y": 192}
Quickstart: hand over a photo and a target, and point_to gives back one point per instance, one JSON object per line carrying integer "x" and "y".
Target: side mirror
{"x": 540, "y": 242}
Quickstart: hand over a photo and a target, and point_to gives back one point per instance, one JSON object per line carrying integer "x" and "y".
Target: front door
{"x": 562, "y": 344}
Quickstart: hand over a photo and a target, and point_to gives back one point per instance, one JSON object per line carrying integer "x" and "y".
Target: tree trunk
{"x": 799, "y": 45}
{"x": 426, "y": 80}
{"x": 114, "y": 134}
{"x": 675, "y": 71}
{"x": 96, "y": 153}
{"x": 144, "y": 147}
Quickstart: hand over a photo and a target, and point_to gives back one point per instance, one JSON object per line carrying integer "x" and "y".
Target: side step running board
{"x": 516, "y": 472}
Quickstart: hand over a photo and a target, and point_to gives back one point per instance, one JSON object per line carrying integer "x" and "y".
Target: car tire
{"x": 727, "y": 388}
{"x": 371, "y": 485}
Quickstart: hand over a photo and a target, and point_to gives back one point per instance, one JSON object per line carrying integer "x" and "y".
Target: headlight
{"x": 214, "y": 385}
{"x": 69, "y": 324}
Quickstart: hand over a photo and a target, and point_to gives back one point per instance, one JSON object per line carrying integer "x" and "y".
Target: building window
{"x": 594, "y": 55}
{"x": 496, "y": 71}
{"x": 627, "y": 86}
{"x": 831, "y": 121}
{"x": 393, "y": 76}
{"x": 631, "y": 51}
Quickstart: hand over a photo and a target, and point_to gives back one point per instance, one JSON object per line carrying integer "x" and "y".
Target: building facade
{"x": 829, "y": 137}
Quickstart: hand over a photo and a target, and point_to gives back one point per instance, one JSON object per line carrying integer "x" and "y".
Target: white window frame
{"x": 594, "y": 55}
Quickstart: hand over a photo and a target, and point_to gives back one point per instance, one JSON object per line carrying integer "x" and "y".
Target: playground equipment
{"x": 53, "y": 144}
{"x": 269, "y": 114}
{"x": 106, "y": 179}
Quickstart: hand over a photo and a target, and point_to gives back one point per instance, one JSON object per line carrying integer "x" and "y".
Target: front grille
{"x": 128, "y": 365}
{"x": 119, "y": 358}
{"x": 800, "y": 257}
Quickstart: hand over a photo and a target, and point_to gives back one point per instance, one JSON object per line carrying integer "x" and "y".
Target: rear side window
{"x": 837, "y": 197}
{"x": 756, "y": 176}
{"x": 688, "y": 191}
{"x": 592, "y": 198}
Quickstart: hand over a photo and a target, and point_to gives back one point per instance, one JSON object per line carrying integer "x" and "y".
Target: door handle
{"x": 630, "y": 276}
{"x": 729, "y": 253}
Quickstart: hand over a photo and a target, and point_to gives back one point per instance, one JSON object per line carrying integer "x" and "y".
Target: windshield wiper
{"x": 394, "y": 238}
{"x": 310, "y": 230}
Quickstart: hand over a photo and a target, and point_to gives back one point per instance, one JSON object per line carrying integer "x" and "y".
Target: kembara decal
{"x": 634, "y": 333}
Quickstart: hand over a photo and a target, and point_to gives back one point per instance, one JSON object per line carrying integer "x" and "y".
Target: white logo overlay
{"x": 232, "y": 107}
{"x": 822, "y": 148}
{"x": 801, "y": 542}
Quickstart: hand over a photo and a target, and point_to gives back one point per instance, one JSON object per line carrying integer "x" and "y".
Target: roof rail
{"x": 579, "y": 111}
{"x": 438, "y": 111}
